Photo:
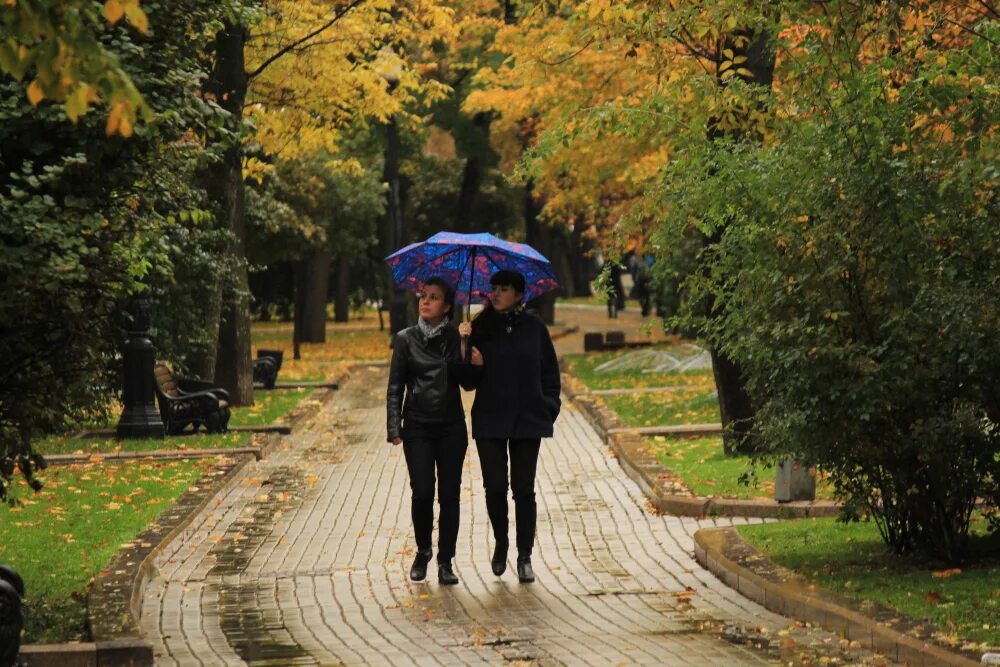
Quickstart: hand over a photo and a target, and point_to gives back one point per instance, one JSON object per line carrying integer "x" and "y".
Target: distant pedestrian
{"x": 425, "y": 414}
{"x": 516, "y": 376}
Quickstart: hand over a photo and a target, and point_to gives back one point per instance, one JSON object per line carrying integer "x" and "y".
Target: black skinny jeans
{"x": 442, "y": 447}
{"x": 523, "y": 463}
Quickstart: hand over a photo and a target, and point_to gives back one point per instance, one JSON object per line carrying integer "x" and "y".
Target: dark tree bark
{"x": 311, "y": 298}
{"x": 228, "y": 86}
{"x": 472, "y": 173}
{"x": 735, "y": 406}
{"x": 342, "y": 295}
{"x": 561, "y": 261}
{"x": 538, "y": 237}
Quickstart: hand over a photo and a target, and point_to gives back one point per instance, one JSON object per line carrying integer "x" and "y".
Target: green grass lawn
{"x": 707, "y": 471}
{"x": 851, "y": 559}
{"x": 264, "y": 336}
{"x": 667, "y": 408}
{"x": 62, "y": 536}
{"x": 67, "y": 444}
{"x": 268, "y": 406}
{"x": 583, "y": 365}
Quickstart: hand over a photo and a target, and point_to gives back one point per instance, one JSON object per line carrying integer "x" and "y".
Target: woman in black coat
{"x": 425, "y": 414}
{"x": 516, "y": 377}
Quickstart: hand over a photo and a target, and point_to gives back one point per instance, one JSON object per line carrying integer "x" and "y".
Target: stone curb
{"x": 565, "y": 332}
{"x": 665, "y": 490}
{"x": 115, "y": 598}
{"x": 794, "y": 597}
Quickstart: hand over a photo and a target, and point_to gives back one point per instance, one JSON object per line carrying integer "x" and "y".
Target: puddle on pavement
{"x": 255, "y": 631}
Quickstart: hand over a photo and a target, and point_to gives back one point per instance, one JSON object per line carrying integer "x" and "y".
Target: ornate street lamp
{"x": 140, "y": 418}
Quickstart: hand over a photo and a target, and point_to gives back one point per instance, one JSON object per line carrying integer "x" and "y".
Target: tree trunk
{"x": 472, "y": 173}
{"x": 202, "y": 360}
{"x": 564, "y": 268}
{"x": 539, "y": 238}
{"x": 342, "y": 298}
{"x": 315, "y": 283}
{"x": 228, "y": 86}
{"x": 734, "y": 405}
{"x": 734, "y": 402}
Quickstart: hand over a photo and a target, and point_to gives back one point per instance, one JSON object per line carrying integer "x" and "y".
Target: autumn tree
{"x": 60, "y": 51}
{"x": 301, "y": 72}
{"x": 88, "y": 220}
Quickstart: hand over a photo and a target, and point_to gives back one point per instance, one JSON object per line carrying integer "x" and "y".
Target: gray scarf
{"x": 429, "y": 330}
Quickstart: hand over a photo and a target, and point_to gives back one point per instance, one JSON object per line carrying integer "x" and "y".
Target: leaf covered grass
{"x": 68, "y": 444}
{"x": 62, "y": 536}
{"x": 592, "y": 300}
{"x": 583, "y": 366}
{"x": 707, "y": 471}
{"x": 269, "y": 406}
{"x": 667, "y": 408}
{"x": 850, "y": 558}
{"x": 322, "y": 361}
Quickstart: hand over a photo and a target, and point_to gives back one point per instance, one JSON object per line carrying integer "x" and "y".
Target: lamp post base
{"x": 140, "y": 421}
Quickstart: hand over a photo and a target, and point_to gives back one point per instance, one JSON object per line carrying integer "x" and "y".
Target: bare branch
{"x": 299, "y": 42}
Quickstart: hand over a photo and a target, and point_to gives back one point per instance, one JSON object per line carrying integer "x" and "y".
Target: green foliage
{"x": 856, "y": 280}
{"x": 86, "y": 221}
{"x": 63, "y": 49}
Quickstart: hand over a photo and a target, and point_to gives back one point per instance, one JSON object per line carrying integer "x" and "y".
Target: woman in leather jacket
{"x": 425, "y": 415}
{"x": 516, "y": 377}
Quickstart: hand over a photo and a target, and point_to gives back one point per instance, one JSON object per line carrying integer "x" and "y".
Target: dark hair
{"x": 449, "y": 293}
{"x": 509, "y": 279}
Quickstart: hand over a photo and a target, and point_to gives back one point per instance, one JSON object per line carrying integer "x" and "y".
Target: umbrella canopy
{"x": 467, "y": 261}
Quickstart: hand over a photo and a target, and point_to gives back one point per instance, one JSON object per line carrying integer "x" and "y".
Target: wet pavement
{"x": 305, "y": 560}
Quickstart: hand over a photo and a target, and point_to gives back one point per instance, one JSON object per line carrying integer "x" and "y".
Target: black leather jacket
{"x": 425, "y": 370}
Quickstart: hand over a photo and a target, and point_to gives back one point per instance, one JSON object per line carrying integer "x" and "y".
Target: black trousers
{"x": 440, "y": 447}
{"x": 523, "y": 463}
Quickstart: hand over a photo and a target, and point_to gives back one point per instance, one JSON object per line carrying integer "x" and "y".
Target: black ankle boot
{"x": 446, "y": 575}
{"x": 524, "y": 572}
{"x": 499, "y": 562}
{"x": 419, "y": 570}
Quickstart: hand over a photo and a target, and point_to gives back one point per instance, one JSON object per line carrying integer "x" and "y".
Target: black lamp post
{"x": 140, "y": 418}
{"x": 394, "y": 219}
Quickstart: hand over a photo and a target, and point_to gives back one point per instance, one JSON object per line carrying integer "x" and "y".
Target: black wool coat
{"x": 517, "y": 387}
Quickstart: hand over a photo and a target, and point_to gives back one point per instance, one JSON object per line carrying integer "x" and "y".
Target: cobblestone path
{"x": 304, "y": 561}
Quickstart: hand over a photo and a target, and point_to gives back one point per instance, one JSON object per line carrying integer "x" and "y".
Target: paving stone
{"x": 305, "y": 560}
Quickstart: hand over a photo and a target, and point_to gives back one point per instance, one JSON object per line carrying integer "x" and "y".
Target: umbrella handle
{"x": 472, "y": 277}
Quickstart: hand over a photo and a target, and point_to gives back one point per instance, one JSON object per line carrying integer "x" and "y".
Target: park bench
{"x": 192, "y": 403}
{"x": 266, "y": 367}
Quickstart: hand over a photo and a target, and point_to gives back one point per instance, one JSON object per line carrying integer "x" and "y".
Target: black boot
{"x": 446, "y": 575}
{"x": 419, "y": 570}
{"x": 499, "y": 562}
{"x": 524, "y": 572}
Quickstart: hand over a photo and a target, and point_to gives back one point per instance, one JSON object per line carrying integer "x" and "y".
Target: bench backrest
{"x": 165, "y": 380}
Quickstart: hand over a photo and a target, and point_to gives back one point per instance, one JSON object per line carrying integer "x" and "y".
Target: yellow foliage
{"x": 337, "y": 68}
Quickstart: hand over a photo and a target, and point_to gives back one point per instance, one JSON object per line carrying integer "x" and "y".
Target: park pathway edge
{"x": 114, "y": 601}
{"x": 716, "y": 549}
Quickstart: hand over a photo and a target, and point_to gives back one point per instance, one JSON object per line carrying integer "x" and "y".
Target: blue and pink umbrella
{"x": 467, "y": 261}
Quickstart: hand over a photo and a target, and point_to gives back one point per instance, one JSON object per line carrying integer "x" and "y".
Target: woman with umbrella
{"x": 425, "y": 414}
{"x": 516, "y": 376}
